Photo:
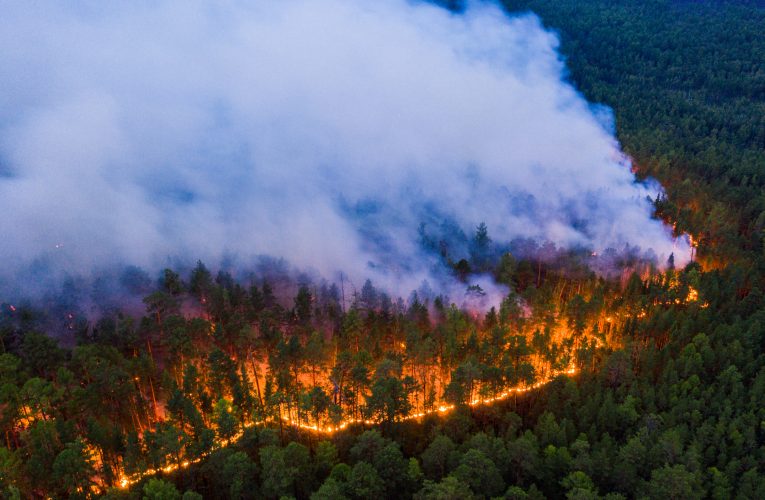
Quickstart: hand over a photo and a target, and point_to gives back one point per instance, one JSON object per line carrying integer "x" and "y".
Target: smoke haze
{"x": 324, "y": 132}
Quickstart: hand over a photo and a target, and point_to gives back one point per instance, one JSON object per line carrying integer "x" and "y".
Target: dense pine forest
{"x": 597, "y": 376}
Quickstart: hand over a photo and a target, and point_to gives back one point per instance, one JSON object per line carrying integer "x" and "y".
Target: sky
{"x": 322, "y": 132}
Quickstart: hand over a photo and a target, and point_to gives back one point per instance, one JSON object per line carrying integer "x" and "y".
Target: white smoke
{"x": 321, "y": 131}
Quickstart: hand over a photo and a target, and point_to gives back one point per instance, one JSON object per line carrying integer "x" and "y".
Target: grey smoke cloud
{"x": 323, "y": 132}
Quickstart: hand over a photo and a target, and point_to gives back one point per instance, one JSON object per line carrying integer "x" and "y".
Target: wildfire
{"x": 693, "y": 296}
{"x": 126, "y": 481}
{"x": 441, "y": 409}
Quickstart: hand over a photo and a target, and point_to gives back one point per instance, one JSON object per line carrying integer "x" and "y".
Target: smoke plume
{"x": 337, "y": 134}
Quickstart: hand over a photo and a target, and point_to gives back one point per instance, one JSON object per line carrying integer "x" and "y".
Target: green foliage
{"x": 674, "y": 482}
{"x": 579, "y": 486}
{"x": 72, "y": 470}
{"x": 439, "y": 458}
{"x": 158, "y": 489}
{"x": 331, "y": 489}
{"x": 365, "y": 483}
{"x": 479, "y": 473}
{"x": 239, "y": 472}
{"x": 449, "y": 488}
{"x": 325, "y": 458}
{"x": 278, "y": 475}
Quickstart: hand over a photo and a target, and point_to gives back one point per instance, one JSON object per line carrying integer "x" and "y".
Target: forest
{"x": 643, "y": 381}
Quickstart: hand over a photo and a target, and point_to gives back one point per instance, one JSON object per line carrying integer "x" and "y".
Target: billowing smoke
{"x": 337, "y": 134}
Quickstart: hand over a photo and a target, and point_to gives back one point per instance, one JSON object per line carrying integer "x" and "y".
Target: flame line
{"x": 127, "y": 481}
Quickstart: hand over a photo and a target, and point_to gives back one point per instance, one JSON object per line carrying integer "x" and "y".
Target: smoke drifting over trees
{"x": 336, "y": 134}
